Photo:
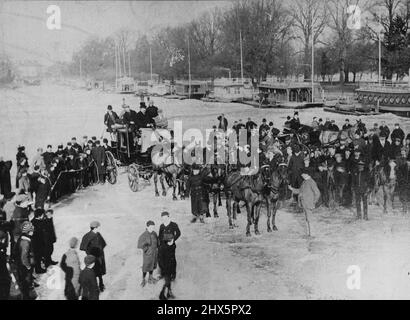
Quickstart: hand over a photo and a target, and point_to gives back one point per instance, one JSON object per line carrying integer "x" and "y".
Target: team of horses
{"x": 268, "y": 187}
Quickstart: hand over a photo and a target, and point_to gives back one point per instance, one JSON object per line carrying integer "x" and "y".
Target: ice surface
{"x": 213, "y": 261}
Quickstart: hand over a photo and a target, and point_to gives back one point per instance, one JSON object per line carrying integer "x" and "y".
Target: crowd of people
{"x": 348, "y": 169}
{"x": 341, "y": 172}
{"x": 27, "y": 233}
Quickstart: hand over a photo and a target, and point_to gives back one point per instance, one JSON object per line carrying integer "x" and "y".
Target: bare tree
{"x": 308, "y": 13}
{"x": 205, "y": 33}
{"x": 339, "y": 16}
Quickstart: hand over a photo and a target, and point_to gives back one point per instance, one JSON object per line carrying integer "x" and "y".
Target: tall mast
{"x": 123, "y": 58}
{"x": 129, "y": 64}
{"x": 116, "y": 67}
{"x": 240, "y": 44}
{"x": 150, "y": 61}
{"x": 189, "y": 71}
{"x": 119, "y": 61}
{"x": 313, "y": 58}
{"x": 380, "y": 50}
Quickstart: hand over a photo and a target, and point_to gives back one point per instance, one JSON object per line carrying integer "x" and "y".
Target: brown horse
{"x": 248, "y": 189}
{"x": 275, "y": 183}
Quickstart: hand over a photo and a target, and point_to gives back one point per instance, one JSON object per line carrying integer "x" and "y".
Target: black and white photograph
{"x": 237, "y": 150}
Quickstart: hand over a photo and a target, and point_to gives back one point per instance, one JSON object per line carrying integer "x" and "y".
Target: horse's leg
{"x": 392, "y": 188}
{"x": 155, "y": 183}
{"x": 181, "y": 184}
{"x": 307, "y": 222}
{"x": 219, "y": 199}
{"x": 385, "y": 199}
{"x": 274, "y": 210}
{"x": 268, "y": 214}
{"x": 229, "y": 210}
{"x": 174, "y": 187}
{"x": 234, "y": 213}
{"x": 214, "y": 200}
{"x": 249, "y": 217}
{"x": 339, "y": 195}
{"x": 161, "y": 179}
{"x": 257, "y": 208}
{"x": 342, "y": 191}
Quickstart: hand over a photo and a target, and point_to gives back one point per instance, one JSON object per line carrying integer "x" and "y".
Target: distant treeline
{"x": 276, "y": 39}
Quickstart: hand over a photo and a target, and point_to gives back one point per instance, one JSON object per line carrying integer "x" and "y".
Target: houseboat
{"x": 158, "y": 89}
{"x": 141, "y": 87}
{"x": 393, "y": 97}
{"x": 289, "y": 94}
{"x": 125, "y": 85}
{"x": 194, "y": 89}
{"x": 232, "y": 89}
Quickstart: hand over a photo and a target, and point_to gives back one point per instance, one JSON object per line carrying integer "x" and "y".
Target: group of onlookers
{"x": 27, "y": 233}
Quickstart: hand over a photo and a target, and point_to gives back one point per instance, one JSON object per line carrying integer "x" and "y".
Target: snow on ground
{"x": 213, "y": 261}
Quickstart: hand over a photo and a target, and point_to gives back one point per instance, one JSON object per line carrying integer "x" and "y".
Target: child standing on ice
{"x": 88, "y": 280}
{"x": 148, "y": 242}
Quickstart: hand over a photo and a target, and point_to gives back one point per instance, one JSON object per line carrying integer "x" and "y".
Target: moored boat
{"x": 292, "y": 95}
{"x": 394, "y": 98}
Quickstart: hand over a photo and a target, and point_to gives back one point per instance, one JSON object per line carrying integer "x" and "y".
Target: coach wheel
{"x": 133, "y": 177}
{"x": 111, "y": 168}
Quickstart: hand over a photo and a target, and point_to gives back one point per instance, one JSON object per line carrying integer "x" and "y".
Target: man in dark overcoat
{"x": 98, "y": 155}
{"x": 143, "y": 120}
{"x": 37, "y": 240}
{"x": 152, "y": 111}
{"x": 168, "y": 233}
{"x": 195, "y": 188}
{"x": 296, "y": 164}
{"x": 360, "y": 186}
{"x": 93, "y": 244}
{"x": 43, "y": 191}
{"x": 49, "y": 238}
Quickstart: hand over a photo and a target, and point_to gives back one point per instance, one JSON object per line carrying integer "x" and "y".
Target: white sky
{"x": 24, "y": 35}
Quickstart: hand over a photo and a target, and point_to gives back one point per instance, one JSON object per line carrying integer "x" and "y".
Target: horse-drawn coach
{"x": 131, "y": 148}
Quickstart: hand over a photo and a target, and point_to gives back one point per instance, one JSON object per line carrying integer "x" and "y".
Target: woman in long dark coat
{"x": 93, "y": 244}
{"x": 5, "y": 181}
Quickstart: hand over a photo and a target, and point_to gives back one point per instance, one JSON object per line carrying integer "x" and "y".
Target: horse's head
{"x": 283, "y": 172}
{"x": 266, "y": 173}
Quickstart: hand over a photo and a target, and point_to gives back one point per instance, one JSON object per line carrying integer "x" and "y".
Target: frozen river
{"x": 213, "y": 261}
